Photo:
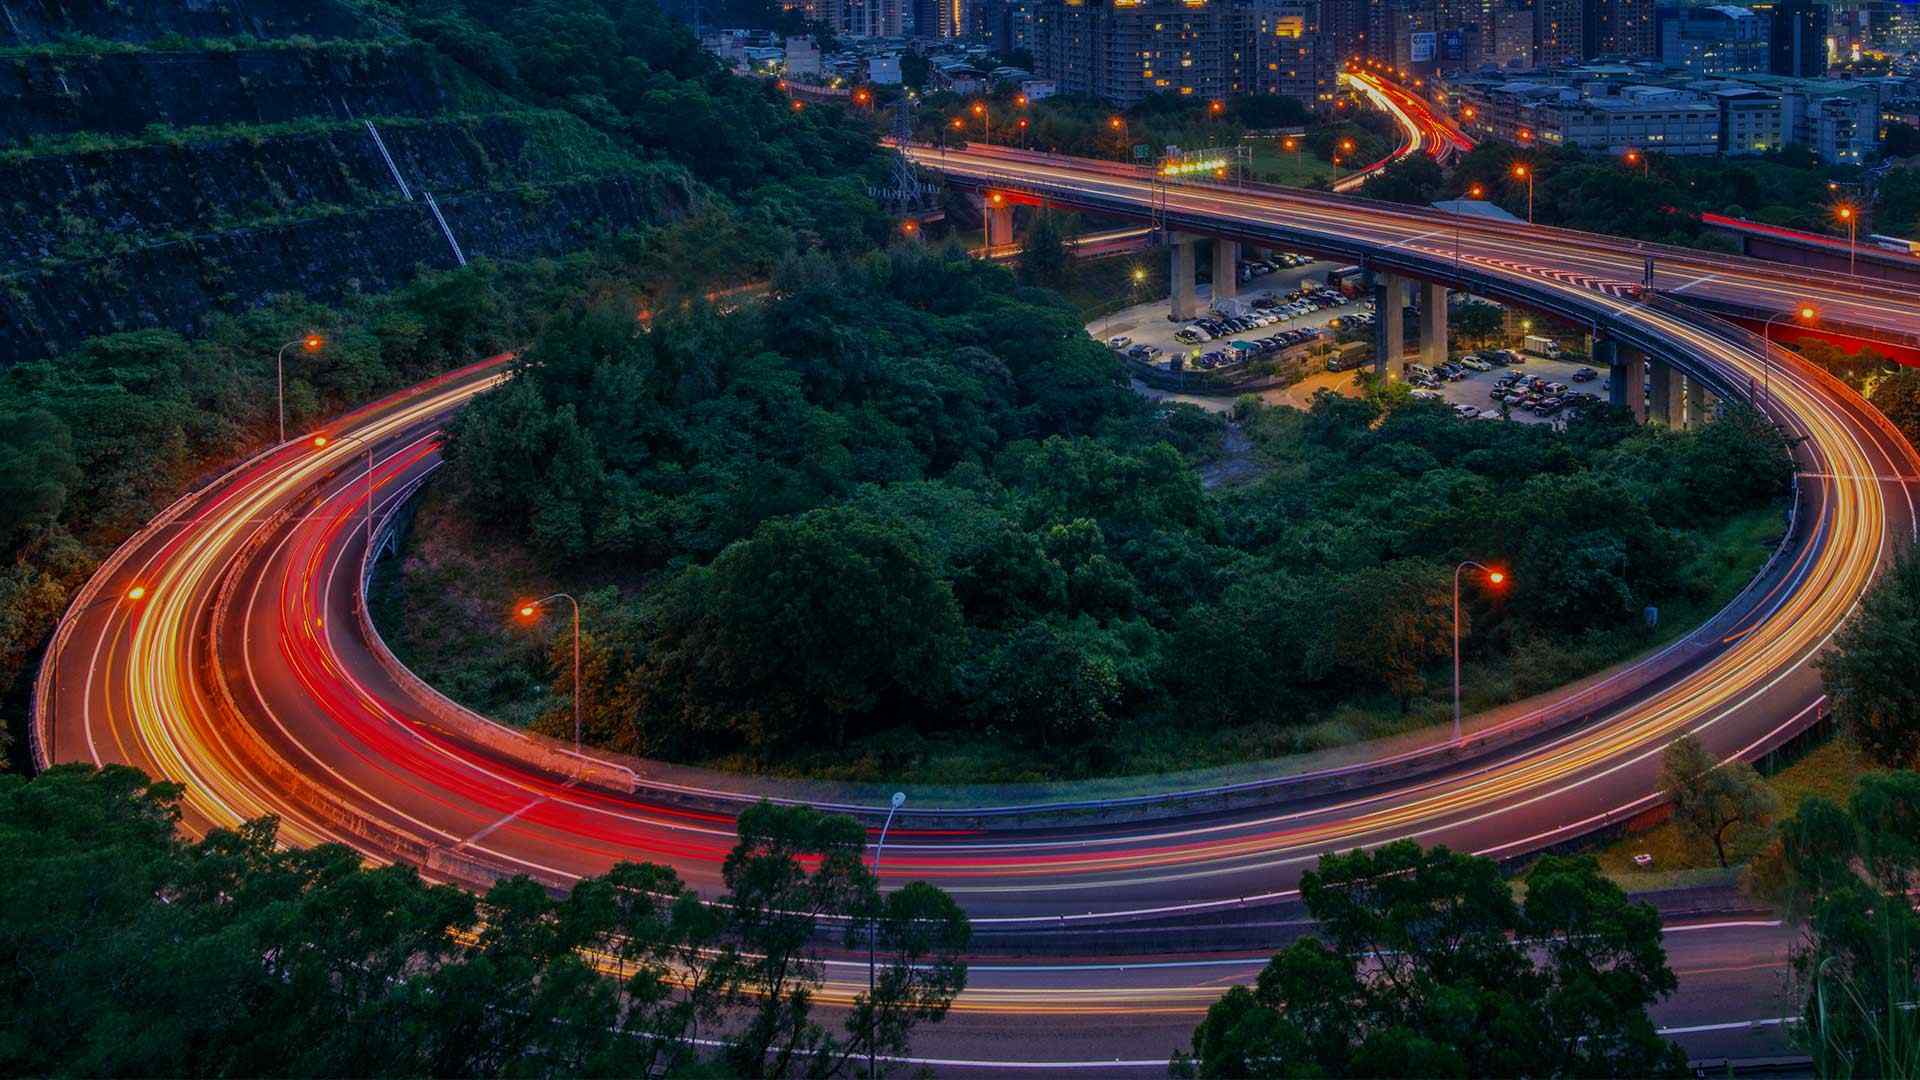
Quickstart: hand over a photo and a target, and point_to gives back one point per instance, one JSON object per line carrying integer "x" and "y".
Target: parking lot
{"x": 1264, "y": 325}
{"x": 1476, "y": 388}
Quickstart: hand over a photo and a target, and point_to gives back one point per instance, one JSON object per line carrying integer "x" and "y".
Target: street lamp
{"x": 1495, "y": 578}
{"x": 529, "y": 610}
{"x": 986, "y": 121}
{"x": 873, "y": 926}
{"x": 1521, "y": 171}
{"x": 1806, "y": 314}
{"x": 320, "y": 443}
{"x": 311, "y": 342}
{"x": 1635, "y": 157}
{"x": 1852, "y": 217}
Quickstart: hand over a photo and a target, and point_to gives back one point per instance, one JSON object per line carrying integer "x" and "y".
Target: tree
{"x": 1427, "y": 967}
{"x": 1044, "y": 259}
{"x": 1843, "y": 876}
{"x": 131, "y": 951}
{"x": 810, "y": 626}
{"x": 1898, "y": 396}
{"x": 1869, "y": 668}
{"x": 1710, "y": 798}
{"x": 1390, "y": 622}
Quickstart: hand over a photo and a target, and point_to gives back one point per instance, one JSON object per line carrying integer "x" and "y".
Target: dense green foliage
{"x": 1426, "y": 966}
{"x": 908, "y": 499}
{"x": 1870, "y": 669}
{"x": 127, "y": 951}
{"x": 100, "y": 439}
{"x": 1846, "y": 875}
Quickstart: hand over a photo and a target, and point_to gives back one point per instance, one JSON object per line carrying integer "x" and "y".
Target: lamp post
{"x": 312, "y": 342}
{"x": 1806, "y": 314}
{"x": 1635, "y": 157}
{"x": 986, "y": 121}
{"x": 320, "y": 443}
{"x": 1494, "y": 577}
{"x": 527, "y": 611}
{"x": 873, "y": 926}
{"x": 1852, "y": 217}
{"x": 1524, "y": 172}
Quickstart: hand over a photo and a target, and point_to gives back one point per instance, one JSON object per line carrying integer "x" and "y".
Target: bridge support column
{"x": 1180, "y": 246}
{"x": 1699, "y": 408}
{"x": 1631, "y": 374}
{"x": 1662, "y": 391}
{"x": 1226, "y": 269}
{"x": 1433, "y": 324}
{"x": 1389, "y": 327}
{"x": 1606, "y": 356}
{"x": 999, "y": 226}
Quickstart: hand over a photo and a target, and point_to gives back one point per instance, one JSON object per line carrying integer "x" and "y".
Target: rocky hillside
{"x": 162, "y": 160}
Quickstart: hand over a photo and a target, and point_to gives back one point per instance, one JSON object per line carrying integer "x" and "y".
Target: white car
{"x": 1473, "y": 363}
{"x": 1426, "y": 395}
{"x": 1119, "y": 342}
{"x": 1489, "y": 414}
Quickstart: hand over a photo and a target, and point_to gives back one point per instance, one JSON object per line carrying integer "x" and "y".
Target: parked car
{"x": 1585, "y": 374}
{"x": 1120, "y": 342}
{"x": 1474, "y": 363}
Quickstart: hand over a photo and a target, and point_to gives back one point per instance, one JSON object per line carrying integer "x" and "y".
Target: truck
{"x": 1537, "y": 345}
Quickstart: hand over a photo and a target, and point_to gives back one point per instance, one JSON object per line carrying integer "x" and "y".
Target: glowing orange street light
{"x": 1469, "y": 112}
{"x": 1523, "y": 172}
{"x": 1115, "y": 122}
{"x": 1852, "y": 217}
{"x": 1495, "y": 578}
{"x": 1287, "y": 143}
{"x": 979, "y": 109}
{"x": 798, "y": 105}
{"x": 909, "y": 226}
{"x": 861, "y": 97}
{"x": 1346, "y": 145}
{"x": 1019, "y": 101}
{"x": 528, "y": 609}
{"x": 1806, "y": 314}
{"x": 137, "y": 593}
{"x": 1216, "y": 107}
{"x": 312, "y": 342}
{"x": 1475, "y": 191}
{"x": 958, "y": 123}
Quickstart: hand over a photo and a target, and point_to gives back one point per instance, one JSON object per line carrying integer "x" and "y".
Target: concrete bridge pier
{"x": 1433, "y": 324}
{"x": 999, "y": 225}
{"x": 1226, "y": 269}
{"x": 1699, "y": 403}
{"x": 1664, "y": 400}
{"x": 1389, "y": 327}
{"x": 1180, "y": 248}
{"x": 1630, "y": 382}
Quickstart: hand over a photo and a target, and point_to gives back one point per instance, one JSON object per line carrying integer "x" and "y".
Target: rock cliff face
{"x": 32, "y": 22}
{"x": 178, "y": 285}
{"x": 123, "y": 93}
{"x": 162, "y": 161}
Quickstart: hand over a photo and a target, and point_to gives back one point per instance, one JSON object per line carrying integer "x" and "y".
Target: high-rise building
{"x": 1509, "y": 44}
{"x": 1286, "y": 52}
{"x": 1798, "y": 39}
{"x": 1124, "y": 50}
{"x": 1343, "y": 26}
{"x": 1618, "y": 29}
{"x": 1717, "y": 40}
{"x": 939, "y": 18}
{"x": 1559, "y": 32}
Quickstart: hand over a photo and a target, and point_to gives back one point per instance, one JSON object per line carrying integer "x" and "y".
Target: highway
{"x": 245, "y": 671}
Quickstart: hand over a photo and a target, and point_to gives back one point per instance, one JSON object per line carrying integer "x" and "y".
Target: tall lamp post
{"x": 986, "y": 121}
{"x": 1494, "y": 577}
{"x": 529, "y": 610}
{"x": 312, "y": 343}
{"x": 320, "y": 443}
{"x": 1806, "y": 314}
{"x": 1522, "y": 171}
{"x": 1852, "y": 217}
{"x": 873, "y": 926}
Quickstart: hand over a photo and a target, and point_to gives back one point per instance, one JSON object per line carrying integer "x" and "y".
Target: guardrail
{"x": 527, "y": 748}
